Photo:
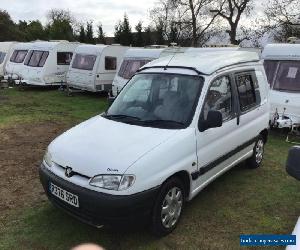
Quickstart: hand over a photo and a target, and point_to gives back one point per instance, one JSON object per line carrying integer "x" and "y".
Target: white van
{"x": 6, "y": 48}
{"x": 93, "y": 67}
{"x": 15, "y": 64}
{"x": 134, "y": 59}
{"x": 47, "y": 63}
{"x": 282, "y": 66}
{"x": 167, "y": 135}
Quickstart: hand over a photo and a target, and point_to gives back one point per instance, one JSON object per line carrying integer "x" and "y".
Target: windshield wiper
{"x": 121, "y": 117}
{"x": 162, "y": 122}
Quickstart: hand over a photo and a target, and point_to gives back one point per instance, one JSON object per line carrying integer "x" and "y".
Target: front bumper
{"x": 96, "y": 208}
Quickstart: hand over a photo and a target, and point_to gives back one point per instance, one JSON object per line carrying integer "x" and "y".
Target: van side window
{"x": 248, "y": 91}
{"x": 219, "y": 98}
{"x": 64, "y": 58}
{"x": 110, "y": 63}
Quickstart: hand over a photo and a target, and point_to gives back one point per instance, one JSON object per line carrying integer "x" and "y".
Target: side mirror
{"x": 214, "y": 120}
{"x": 293, "y": 162}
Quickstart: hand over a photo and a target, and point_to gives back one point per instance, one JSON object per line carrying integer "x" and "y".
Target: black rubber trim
{"x": 221, "y": 159}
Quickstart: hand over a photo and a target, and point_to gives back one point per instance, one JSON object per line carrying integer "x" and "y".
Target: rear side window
{"x": 110, "y": 63}
{"x": 64, "y": 58}
{"x": 248, "y": 90}
{"x": 18, "y": 56}
{"x": 2, "y": 56}
{"x": 84, "y": 62}
{"x": 36, "y": 58}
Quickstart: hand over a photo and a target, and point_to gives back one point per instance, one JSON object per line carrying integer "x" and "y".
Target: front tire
{"x": 168, "y": 207}
{"x": 258, "y": 153}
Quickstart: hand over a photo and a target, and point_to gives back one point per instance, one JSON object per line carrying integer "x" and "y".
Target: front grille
{"x": 74, "y": 173}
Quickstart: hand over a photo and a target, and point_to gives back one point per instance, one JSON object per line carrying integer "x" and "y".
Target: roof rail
{"x": 172, "y": 67}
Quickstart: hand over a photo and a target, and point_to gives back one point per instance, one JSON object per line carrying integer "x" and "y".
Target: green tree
{"x": 82, "y": 35}
{"x": 8, "y": 29}
{"x": 89, "y": 33}
{"x": 35, "y": 31}
{"x": 60, "y": 25}
{"x": 159, "y": 34}
{"x": 139, "y": 39}
{"x": 101, "y": 36}
{"x": 123, "y": 33}
{"x": 148, "y": 36}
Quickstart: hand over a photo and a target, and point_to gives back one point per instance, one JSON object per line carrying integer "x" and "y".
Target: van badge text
{"x": 112, "y": 170}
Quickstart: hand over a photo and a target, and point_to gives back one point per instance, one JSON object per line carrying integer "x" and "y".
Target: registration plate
{"x": 64, "y": 195}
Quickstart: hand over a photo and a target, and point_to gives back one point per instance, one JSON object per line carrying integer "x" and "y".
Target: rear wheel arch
{"x": 264, "y": 133}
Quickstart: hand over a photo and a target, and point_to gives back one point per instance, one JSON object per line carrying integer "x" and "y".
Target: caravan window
{"x": 18, "y": 56}
{"x": 129, "y": 67}
{"x": 64, "y": 58}
{"x": 270, "y": 68}
{"x": 288, "y": 76}
{"x": 110, "y": 63}
{"x": 85, "y": 62}
{"x": 37, "y": 58}
{"x": 28, "y": 57}
{"x": 2, "y": 56}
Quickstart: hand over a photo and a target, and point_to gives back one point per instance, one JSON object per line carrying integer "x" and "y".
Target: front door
{"x": 216, "y": 145}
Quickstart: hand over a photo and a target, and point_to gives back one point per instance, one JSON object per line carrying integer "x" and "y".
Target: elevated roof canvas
{"x": 207, "y": 62}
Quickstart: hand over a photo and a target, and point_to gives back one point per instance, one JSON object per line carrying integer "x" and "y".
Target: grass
{"x": 242, "y": 201}
{"x": 36, "y": 105}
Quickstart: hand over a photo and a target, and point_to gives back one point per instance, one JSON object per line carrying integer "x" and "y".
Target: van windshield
{"x": 2, "y": 56}
{"x": 85, "y": 62}
{"x": 288, "y": 76}
{"x": 157, "y": 100}
{"x": 129, "y": 67}
{"x": 18, "y": 56}
{"x": 36, "y": 58}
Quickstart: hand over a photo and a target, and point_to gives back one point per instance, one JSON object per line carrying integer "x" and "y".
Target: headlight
{"x": 113, "y": 182}
{"x": 48, "y": 158}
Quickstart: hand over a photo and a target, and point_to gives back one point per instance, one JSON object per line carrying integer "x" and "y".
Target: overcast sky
{"x": 106, "y": 11}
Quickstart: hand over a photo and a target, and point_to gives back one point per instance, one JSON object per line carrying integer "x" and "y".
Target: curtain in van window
{"x": 85, "y": 62}
{"x": 20, "y": 56}
{"x": 13, "y": 56}
{"x": 2, "y": 56}
{"x": 36, "y": 58}
{"x": 288, "y": 76}
{"x": 43, "y": 58}
{"x": 130, "y": 67}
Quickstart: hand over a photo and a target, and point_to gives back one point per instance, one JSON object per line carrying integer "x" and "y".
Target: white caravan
{"x": 168, "y": 134}
{"x": 134, "y": 59}
{"x": 282, "y": 66}
{"x": 15, "y": 64}
{"x": 47, "y": 63}
{"x": 6, "y": 48}
{"x": 93, "y": 67}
